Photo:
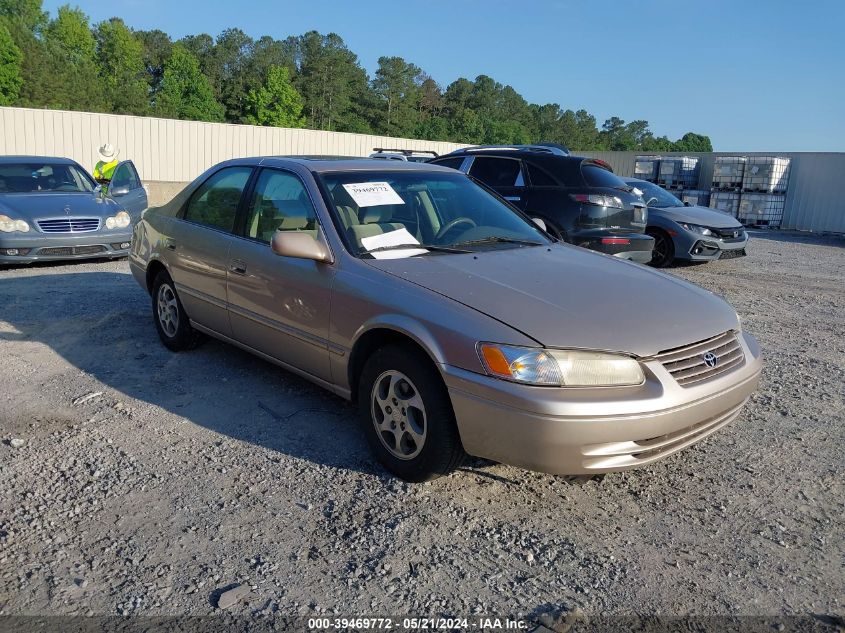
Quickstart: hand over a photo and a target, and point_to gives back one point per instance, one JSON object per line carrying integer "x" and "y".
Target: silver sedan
{"x": 456, "y": 324}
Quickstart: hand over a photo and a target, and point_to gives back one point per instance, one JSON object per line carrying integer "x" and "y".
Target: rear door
{"x": 199, "y": 244}
{"x": 127, "y": 189}
{"x": 504, "y": 175}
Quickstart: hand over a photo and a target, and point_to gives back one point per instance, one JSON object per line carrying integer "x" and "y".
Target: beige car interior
{"x": 361, "y": 222}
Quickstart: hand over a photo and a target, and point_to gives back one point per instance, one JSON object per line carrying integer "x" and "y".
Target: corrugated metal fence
{"x": 178, "y": 151}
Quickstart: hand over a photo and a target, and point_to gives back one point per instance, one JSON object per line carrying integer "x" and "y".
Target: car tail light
{"x": 615, "y": 240}
{"x": 599, "y": 200}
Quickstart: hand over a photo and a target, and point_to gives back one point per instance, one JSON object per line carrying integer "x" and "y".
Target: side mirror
{"x": 116, "y": 192}
{"x": 300, "y": 245}
{"x": 539, "y": 222}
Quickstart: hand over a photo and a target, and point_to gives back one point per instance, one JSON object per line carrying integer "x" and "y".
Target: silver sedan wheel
{"x": 168, "y": 310}
{"x": 399, "y": 415}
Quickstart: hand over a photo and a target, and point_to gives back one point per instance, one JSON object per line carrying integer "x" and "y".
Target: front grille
{"x": 739, "y": 252}
{"x": 729, "y": 235}
{"x": 69, "y": 225}
{"x": 688, "y": 365}
{"x": 72, "y": 250}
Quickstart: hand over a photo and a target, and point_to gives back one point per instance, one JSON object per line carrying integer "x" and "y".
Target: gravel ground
{"x": 149, "y": 482}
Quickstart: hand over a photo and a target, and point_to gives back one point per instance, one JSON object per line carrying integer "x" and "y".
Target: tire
{"x": 419, "y": 441}
{"x": 170, "y": 318}
{"x": 664, "y": 248}
{"x": 555, "y": 231}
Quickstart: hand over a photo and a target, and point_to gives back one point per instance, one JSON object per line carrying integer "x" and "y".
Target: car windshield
{"x": 41, "y": 177}
{"x": 379, "y": 212}
{"x": 655, "y": 196}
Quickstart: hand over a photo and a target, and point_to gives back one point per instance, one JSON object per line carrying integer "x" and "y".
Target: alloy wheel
{"x": 398, "y": 414}
{"x": 168, "y": 310}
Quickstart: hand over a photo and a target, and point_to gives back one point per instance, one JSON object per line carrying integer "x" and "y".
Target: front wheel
{"x": 407, "y": 416}
{"x": 664, "y": 248}
{"x": 174, "y": 328}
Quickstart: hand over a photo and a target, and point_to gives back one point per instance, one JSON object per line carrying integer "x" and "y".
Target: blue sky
{"x": 755, "y": 75}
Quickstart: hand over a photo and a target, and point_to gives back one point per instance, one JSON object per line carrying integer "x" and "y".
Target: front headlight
{"x": 559, "y": 368}
{"x": 695, "y": 228}
{"x": 119, "y": 221}
{"x": 8, "y": 225}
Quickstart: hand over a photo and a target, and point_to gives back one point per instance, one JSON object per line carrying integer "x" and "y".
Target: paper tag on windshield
{"x": 393, "y": 238}
{"x": 372, "y": 194}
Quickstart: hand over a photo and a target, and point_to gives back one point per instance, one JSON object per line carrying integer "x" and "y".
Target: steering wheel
{"x": 451, "y": 225}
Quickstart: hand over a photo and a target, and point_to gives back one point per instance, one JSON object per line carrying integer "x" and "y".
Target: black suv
{"x": 580, "y": 200}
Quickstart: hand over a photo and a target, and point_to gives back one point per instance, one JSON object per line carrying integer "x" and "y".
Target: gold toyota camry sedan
{"x": 458, "y": 325}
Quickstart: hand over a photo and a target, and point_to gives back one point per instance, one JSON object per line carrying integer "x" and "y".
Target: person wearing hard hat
{"x": 104, "y": 169}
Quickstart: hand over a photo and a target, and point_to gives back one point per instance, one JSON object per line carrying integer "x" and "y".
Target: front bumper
{"x": 35, "y": 247}
{"x": 700, "y": 248}
{"x": 597, "y": 430}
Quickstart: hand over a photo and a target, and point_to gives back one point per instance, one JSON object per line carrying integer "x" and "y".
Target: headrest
{"x": 376, "y": 215}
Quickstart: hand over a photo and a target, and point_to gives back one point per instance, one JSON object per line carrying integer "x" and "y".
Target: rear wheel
{"x": 406, "y": 415}
{"x": 664, "y": 248}
{"x": 171, "y": 321}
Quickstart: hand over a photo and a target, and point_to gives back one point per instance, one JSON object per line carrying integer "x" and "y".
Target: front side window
{"x": 215, "y": 202}
{"x": 125, "y": 176}
{"x": 279, "y": 203}
{"x": 446, "y": 210}
{"x": 39, "y": 177}
{"x": 452, "y": 163}
{"x": 497, "y": 172}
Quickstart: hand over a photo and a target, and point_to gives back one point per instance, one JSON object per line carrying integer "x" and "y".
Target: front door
{"x": 280, "y": 305}
{"x": 502, "y": 174}
{"x": 127, "y": 190}
{"x": 198, "y": 247}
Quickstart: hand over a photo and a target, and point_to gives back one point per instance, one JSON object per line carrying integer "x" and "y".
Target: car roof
{"x": 7, "y": 160}
{"x": 320, "y": 164}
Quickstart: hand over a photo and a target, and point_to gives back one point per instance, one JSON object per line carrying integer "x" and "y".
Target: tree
{"x": 692, "y": 142}
{"x": 185, "y": 92}
{"x": 69, "y": 48}
{"x": 277, "y": 103}
{"x": 121, "y": 62}
{"x": 156, "y": 50}
{"x": 27, "y": 14}
{"x": 333, "y": 84}
{"x": 397, "y": 85}
{"x": 11, "y": 58}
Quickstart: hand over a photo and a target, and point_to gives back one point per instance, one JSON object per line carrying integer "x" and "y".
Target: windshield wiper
{"x": 406, "y": 247}
{"x": 495, "y": 239}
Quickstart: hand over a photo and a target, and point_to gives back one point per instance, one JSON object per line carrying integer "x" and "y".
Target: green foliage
{"x": 11, "y": 58}
{"x": 691, "y": 142}
{"x": 311, "y": 79}
{"x": 185, "y": 93}
{"x": 121, "y": 62}
{"x": 276, "y": 103}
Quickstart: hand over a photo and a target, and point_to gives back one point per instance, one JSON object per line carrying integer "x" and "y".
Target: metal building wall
{"x": 177, "y": 151}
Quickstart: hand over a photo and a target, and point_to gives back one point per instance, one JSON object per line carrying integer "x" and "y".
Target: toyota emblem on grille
{"x": 710, "y": 359}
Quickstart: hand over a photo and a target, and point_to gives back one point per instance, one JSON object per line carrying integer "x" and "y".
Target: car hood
{"x": 703, "y": 216}
{"x": 41, "y": 206}
{"x": 569, "y": 297}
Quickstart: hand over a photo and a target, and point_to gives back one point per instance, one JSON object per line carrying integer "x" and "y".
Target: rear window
{"x": 596, "y": 176}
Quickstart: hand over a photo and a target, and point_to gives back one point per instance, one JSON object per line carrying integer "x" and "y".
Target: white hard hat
{"x": 108, "y": 151}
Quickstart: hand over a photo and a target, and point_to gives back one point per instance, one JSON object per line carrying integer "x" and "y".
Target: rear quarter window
{"x": 596, "y": 176}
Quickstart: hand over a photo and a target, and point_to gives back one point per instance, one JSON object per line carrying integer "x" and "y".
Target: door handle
{"x": 513, "y": 198}
{"x": 237, "y": 266}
